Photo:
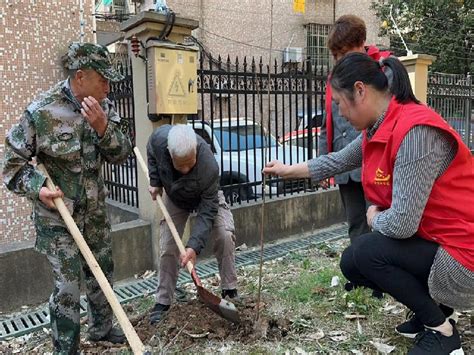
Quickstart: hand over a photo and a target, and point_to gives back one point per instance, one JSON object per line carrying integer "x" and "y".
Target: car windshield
{"x": 233, "y": 139}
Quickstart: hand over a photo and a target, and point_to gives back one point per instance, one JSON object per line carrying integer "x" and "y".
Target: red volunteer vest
{"x": 448, "y": 218}
{"x": 374, "y": 53}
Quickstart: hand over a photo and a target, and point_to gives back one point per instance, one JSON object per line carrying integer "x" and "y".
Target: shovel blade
{"x": 224, "y": 308}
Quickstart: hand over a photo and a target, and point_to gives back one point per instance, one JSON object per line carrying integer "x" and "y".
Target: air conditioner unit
{"x": 293, "y": 55}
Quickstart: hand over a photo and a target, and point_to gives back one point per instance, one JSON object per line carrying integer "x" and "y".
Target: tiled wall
{"x": 242, "y": 27}
{"x": 33, "y": 36}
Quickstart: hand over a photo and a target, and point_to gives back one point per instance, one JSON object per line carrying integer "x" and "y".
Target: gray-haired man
{"x": 182, "y": 164}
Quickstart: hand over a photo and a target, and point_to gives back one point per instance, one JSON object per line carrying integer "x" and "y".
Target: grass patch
{"x": 308, "y": 286}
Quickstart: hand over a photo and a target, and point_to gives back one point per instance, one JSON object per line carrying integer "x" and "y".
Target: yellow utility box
{"x": 172, "y": 74}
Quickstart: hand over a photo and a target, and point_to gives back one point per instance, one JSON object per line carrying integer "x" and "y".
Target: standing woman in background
{"x": 347, "y": 35}
{"x": 419, "y": 175}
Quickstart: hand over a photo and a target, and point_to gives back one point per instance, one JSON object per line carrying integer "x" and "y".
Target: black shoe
{"x": 232, "y": 294}
{"x": 433, "y": 342}
{"x": 413, "y": 325}
{"x": 114, "y": 336}
{"x": 158, "y": 312}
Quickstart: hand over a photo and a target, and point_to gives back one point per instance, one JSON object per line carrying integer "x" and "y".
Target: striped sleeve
{"x": 423, "y": 156}
{"x": 335, "y": 163}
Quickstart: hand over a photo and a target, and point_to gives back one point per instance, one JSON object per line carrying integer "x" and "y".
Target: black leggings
{"x": 399, "y": 267}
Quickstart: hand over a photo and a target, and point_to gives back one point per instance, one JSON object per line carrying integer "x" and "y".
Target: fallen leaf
{"x": 197, "y": 336}
{"x": 242, "y": 247}
{"x": 389, "y": 308}
{"x": 357, "y": 352}
{"x": 338, "y": 336}
{"x": 316, "y": 336}
{"x": 383, "y": 348}
{"x": 335, "y": 281}
{"x": 397, "y": 311}
{"x": 299, "y": 351}
{"x": 359, "y": 327}
{"x": 148, "y": 274}
{"x": 319, "y": 290}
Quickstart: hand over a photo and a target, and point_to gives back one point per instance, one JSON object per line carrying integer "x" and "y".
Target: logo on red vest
{"x": 381, "y": 178}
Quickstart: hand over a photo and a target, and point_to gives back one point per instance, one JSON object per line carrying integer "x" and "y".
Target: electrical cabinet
{"x": 172, "y": 74}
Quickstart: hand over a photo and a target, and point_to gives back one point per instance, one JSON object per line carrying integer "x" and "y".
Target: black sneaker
{"x": 413, "y": 325}
{"x": 231, "y": 294}
{"x": 114, "y": 336}
{"x": 433, "y": 342}
{"x": 158, "y": 313}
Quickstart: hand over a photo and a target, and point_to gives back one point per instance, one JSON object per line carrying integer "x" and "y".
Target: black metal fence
{"x": 121, "y": 180}
{"x": 251, "y": 113}
{"x": 452, "y": 95}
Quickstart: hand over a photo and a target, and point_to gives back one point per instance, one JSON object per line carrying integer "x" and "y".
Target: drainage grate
{"x": 38, "y": 319}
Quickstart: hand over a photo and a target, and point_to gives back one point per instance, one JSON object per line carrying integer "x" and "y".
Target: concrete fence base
{"x": 26, "y": 277}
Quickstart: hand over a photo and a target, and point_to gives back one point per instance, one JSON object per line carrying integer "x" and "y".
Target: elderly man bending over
{"x": 182, "y": 164}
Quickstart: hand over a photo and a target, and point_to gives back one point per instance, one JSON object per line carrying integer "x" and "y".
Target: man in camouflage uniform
{"x": 71, "y": 129}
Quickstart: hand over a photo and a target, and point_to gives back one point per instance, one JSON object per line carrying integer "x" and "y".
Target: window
{"x": 242, "y": 138}
{"x": 316, "y": 38}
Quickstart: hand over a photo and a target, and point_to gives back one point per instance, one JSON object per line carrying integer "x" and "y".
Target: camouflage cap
{"x": 91, "y": 56}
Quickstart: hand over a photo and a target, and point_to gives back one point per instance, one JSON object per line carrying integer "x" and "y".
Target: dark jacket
{"x": 196, "y": 190}
{"x": 343, "y": 134}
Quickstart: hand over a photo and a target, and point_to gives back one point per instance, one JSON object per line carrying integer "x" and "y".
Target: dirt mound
{"x": 192, "y": 322}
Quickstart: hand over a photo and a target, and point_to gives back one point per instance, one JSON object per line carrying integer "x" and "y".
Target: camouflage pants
{"x": 222, "y": 235}
{"x": 67, "y": 263}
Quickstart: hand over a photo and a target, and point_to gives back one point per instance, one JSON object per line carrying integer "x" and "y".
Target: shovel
{"x": 222, "y": 307}
{"x": 132, "y": 337}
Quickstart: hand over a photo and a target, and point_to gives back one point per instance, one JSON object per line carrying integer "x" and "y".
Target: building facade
{"x": 242, "y": 27}
{"x": 33, "y": 36}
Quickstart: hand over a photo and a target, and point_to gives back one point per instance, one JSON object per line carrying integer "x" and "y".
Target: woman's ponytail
{"x": 400, "y": 86}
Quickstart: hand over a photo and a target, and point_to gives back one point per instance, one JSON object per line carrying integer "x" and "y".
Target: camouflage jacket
{"x": 53, "y": 130}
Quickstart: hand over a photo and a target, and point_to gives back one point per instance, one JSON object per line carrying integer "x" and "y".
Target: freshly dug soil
{"x": 192, "y": 322}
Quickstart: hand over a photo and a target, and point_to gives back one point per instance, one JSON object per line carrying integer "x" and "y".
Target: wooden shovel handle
{"x": 168, "y": 219}
{"x": 132, "y": 337}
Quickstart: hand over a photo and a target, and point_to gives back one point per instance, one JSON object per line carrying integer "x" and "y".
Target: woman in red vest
{"x": 419, "y": 176}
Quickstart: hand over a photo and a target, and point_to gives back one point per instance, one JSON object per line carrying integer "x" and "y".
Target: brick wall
{"x": 33, "y": 36}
